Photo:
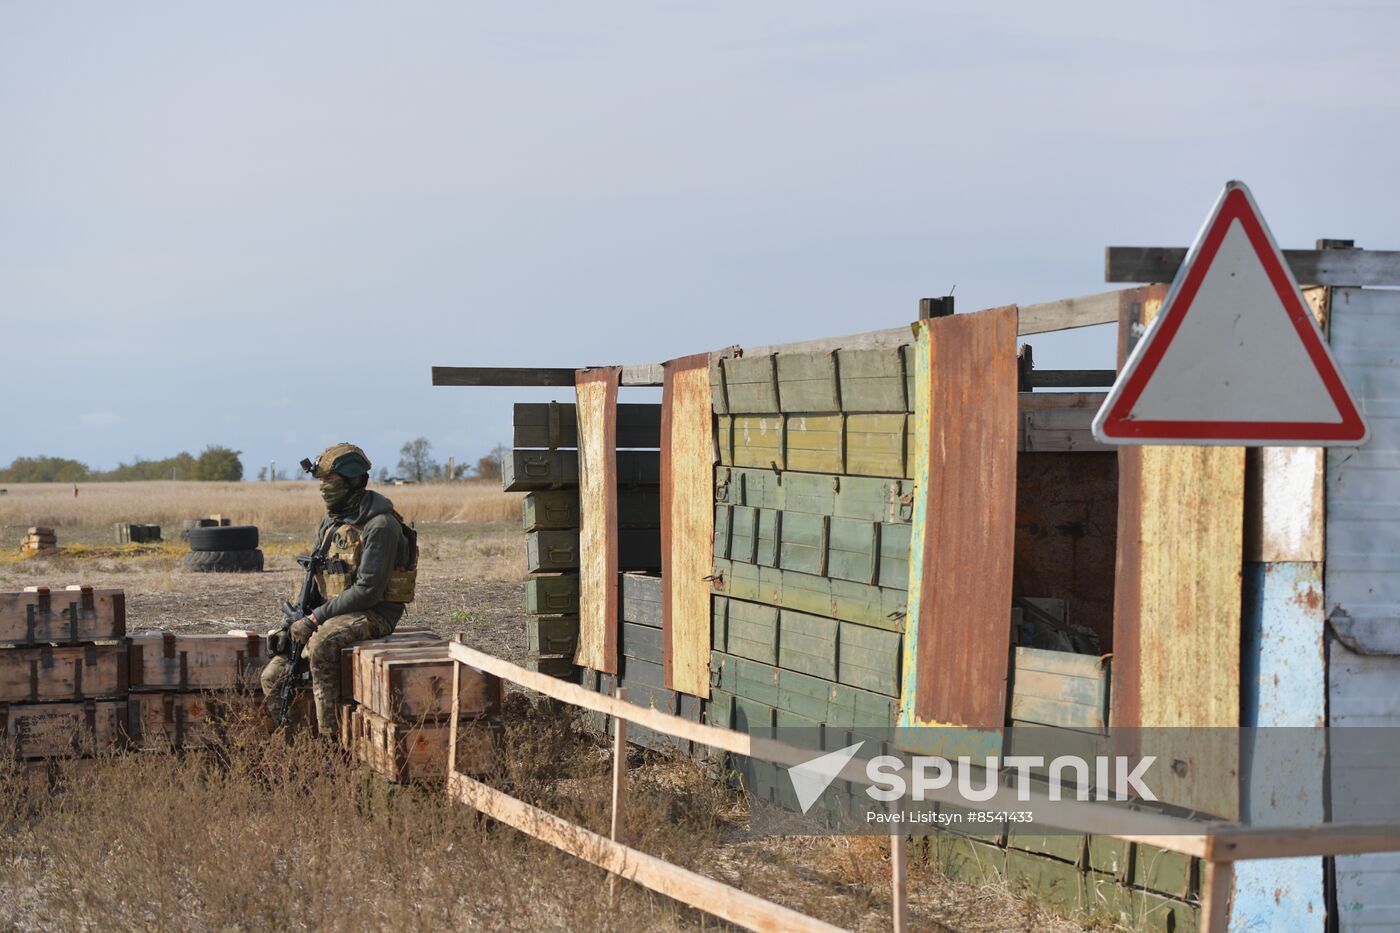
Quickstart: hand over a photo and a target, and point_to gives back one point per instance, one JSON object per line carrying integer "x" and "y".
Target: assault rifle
{"x": 308, "y": 598}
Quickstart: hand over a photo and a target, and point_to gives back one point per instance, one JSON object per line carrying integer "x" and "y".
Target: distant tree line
{"x": 416, "y": 463}
{"x": 215, "y": 463}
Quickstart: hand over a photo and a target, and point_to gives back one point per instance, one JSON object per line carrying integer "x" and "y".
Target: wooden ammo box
{"x": 76, "y": 672}
{"x": 54, "y": 730}
{"x": 410, "y": 685}
{"x": 361, "y": 684}
{"x": 167, "y": 661}
{"x": 75, "y": 614}
{"x": 418, "y": 636}
{"x": 186, "y": 720}
{"x": 418, "y": 752}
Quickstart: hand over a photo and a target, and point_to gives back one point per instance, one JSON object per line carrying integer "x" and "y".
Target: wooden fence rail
{"x": 1218, "y": 844}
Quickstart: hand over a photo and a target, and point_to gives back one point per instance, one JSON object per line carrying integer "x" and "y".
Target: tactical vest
{"x": 343, "y": 562}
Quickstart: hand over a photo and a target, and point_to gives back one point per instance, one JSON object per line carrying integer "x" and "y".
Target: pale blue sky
{"x": 260, "y": 224}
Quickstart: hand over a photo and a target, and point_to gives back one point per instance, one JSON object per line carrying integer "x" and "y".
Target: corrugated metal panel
{"x": 1282, "y": 685}
{"x": 1363, "y": 484}
{"x": 1364, "y": 690}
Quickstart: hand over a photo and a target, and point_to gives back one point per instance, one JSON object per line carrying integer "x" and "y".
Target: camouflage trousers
{"x": 322, "y": 654}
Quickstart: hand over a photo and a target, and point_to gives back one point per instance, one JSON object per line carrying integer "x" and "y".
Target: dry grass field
{"x": 262, "y": 835}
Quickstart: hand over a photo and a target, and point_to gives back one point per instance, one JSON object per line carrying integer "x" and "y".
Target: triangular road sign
{"x": 1234, "y": 357}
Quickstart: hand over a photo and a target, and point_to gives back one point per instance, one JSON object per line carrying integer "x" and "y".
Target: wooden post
{"x": 899, "y": 873}
{"x": 456, "y": 713}
{"x": 619, "y": 774}
{"x": 1217, "y": 884}
{"x": 619, "y": 784}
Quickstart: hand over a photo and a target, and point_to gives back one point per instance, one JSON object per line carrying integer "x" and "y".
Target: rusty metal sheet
{"x": 597, "y": 468}
{"x": 1176, "y": 615}
{"x": 964, "y": 529}
{"x": 687, "y": 522}
{"x": 1066, "y": 533}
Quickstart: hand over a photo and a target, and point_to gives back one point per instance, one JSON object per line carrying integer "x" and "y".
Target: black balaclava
{"x": 342, "y": 496}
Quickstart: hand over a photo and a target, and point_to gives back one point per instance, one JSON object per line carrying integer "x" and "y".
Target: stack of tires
{"x": 224, "y": 549}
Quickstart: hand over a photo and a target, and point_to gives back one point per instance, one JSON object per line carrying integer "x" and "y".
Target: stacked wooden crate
{"x": 187, "y": 690}
{"x": 399, "y": 719}
{"x": 813, "y": 503}
{"x": 39, "y": 540}
{"x": 63, "y": 673}
{"x": 544, "y": 464}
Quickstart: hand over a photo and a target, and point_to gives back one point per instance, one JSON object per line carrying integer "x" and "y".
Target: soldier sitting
{"x": 370, "y": 570}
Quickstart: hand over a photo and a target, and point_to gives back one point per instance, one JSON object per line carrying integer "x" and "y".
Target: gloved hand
{"x": 278, "y": 641}
{"x": 301, "y": 630}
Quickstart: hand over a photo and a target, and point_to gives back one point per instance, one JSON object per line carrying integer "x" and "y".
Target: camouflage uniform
{"x": 371, "y": 564}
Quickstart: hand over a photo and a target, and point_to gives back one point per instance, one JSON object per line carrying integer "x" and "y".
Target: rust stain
{"x": 1309, "y": 599}
{"x": 969, "y": 520}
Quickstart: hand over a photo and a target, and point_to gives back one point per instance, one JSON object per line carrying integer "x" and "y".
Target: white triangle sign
{"x": 811, "y": 778}
{"x": 1234, "y": 357}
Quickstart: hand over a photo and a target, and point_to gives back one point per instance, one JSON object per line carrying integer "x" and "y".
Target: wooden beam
{"x": 1217, "y": 883}
{"x": 1072, "y": 378}
{"x": 1237, "y": 843}
{"x": 501, "y": 376}
{"x": 1356, "y": 267}
{"x": 687, "y": 887}
{"x": 1067, "y": 313}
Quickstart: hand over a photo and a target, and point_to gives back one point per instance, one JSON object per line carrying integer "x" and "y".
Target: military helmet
{"x": 343, "y": 458}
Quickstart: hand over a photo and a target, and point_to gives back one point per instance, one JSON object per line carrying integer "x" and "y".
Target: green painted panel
{"x": 642, "y": 642}
{"x": 1035, "y": 709}
{"x": 814, "y": 444}
{"x": 1055, "y": 883}
{"x": 551, "y": 634}
{"x": 750, "y": 384}
{"x": 875, "y": 380}
{"x": 861, "y": 710}
{"x": 754, "y": 441}
{"x": 869, "y": 658}
{"x": 641, "y": 599}
{"x": 753, "y": 631}
{"x": 555, "y": 424}
{"x": 881, "y": 607}
{"x": 861, "y": 498}
{"x": 552, "y": 595}
{"x": 719, "y": 399}
{"x": 1161, "y": 870}
{"x": 894, "y": 555}
{"x": 636, "y": 671}
{"x": 807, "y": 644}
{"x": 745, "y": 678}
{"x": 803, "y": 544}
{"x": 969, "y": 860}
{"x": 876, "y": 445}
{"x": 1107, "y": 855}
{"x": 719, "y": 711}
{"x": 1064, "y": 846}
{"x": 1106, "y": 898}
{"x": 807, "y": 382}
{"x": 752, "y": 717}
{"x": 804, "y": 695}
{"x": 719, "y": 623}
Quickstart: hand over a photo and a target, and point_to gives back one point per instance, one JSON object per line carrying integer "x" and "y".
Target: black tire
{"x": 225, "y": 561}
{"x": 230, "y": 538}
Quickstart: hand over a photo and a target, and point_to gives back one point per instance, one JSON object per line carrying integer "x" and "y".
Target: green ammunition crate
{"x": 641, "y": 642}
{"x": 880, "y": 380}
{"x": 876, "y": 380}
{"x": 555, "y": 665}
{"x": 552, "y": 595}
{"x": 555, "y": 424}
{"x": 638, "y": 672}
{"x": 641, "y": 599}
{"x": 753, "y": 717}
{"x": 526, "y": 470}
{"x": 807, "y": 382}
{"x": 1056, "y": 883}
{"x": 551, "y": 635}
{"x": 881, "y": 607}
{"x": 637, "y": 507}
{"x": 719, "y": 711}
{"x": 744, "y": 678}
{"x": 806, "y": 696}
{"x": 719, "y": 623}
{"x": 551, "y": 550}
